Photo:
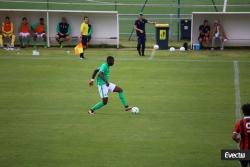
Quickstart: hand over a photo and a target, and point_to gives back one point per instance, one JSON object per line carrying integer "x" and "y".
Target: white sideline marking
{"x": 71, "y": 57}
{"x": 237, "y": 91}
{"x": 152, "y": 55}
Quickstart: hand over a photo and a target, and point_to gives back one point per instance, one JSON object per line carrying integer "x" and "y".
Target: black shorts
{"x": 141, "y": 40}
{"x": 201, "y": 37}
{"x": 84, "y": 41}
{"x": 62, "y": 36}
{"x": 244, "y": 163}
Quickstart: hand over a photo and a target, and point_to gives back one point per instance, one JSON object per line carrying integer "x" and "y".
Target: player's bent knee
{"x": 105, "y": 101}
{"x": 120, "y": 90}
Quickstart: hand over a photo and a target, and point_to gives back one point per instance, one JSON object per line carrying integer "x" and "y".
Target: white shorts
{"x": 24, "y": 34}
{"x": 103, "y": 89}
{"x": 40, "y": 35}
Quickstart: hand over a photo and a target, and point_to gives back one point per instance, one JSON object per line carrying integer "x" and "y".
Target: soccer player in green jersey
{"x": 104, "y": 86}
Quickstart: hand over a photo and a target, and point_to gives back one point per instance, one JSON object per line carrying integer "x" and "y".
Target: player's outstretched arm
{"x": 91, "y": 82}
{"x": 152, "y": 22}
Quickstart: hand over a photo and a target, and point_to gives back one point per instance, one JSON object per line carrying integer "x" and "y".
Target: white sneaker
{"x": 81, "y": 58}
{"x": 212, "y": 48}
{"x": 221, "y": 48}
{"x": 91, "y": 112}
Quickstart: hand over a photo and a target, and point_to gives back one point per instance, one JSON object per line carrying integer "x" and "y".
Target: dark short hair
{"x": 7, "y": 17}
{"x": 110, "y": 58}
{"x": 24, "y": 18}
{"x": 246, "y": 109}
{"x": 205, "y": 21}
{"x": 85, "y": 17}
{"x": 41, "y": 19}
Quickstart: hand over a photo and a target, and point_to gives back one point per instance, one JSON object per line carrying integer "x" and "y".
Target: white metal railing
{"x": 100, "y": 3}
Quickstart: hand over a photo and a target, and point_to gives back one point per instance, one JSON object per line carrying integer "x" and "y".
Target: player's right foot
{"x": 128, "y": 108}
{"x": 91, "y": 112}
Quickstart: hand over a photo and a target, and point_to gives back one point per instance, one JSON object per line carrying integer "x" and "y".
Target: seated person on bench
{"x": 39, "y": 31}
{"x": 204, "y": 30}
{"x": 218, "y": 32}
{"x": 24, "y": 33}
{"x": 7, "y": 32}
{"x": 63, "y": 30}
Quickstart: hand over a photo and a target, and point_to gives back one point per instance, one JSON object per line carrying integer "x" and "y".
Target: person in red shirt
{"x": 39, "y": 31}
{"x": 241, "y": 133}
{"x": 24, "y": 32}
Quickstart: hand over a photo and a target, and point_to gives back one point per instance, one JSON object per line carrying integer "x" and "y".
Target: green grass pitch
{"x": 187, "y": 105}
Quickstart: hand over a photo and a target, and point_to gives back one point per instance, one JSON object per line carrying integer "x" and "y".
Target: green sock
{"x": 97, "y": 106}
{"x": 34, "y": 46}
{"x": 45, "y": 44}
{"x": 123, "y": 99}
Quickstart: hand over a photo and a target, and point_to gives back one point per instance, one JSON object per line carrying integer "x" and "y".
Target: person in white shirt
{"x": 217, "y": 32}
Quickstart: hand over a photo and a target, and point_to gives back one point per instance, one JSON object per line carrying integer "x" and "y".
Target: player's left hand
{"x": 91, "y": 82}
{"x": 107, "y": 84}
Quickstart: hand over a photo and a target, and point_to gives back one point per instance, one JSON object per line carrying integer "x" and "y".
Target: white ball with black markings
{"x": 156, "y": 47}
{"x": 135, "y": 110}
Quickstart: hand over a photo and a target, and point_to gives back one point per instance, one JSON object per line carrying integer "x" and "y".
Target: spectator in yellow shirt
{"x": 7, "y": 32}
{"x": 84, "y": 29}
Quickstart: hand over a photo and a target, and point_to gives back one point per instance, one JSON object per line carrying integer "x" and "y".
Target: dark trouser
{"x": 84, "y": 45}
{"x": 141, "y": 43}
{"x": 61, "y": 38}
{"x": 244, "y": 163}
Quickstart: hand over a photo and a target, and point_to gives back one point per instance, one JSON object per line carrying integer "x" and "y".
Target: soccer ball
{"x": 182, "y": 49}
{"x": 156, "y": 46}
{"x": 135, "y": 110}
{"x": 172, "y": 49}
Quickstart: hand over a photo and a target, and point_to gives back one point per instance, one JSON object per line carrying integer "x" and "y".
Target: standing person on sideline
{"x": 241, "y": 133}
{"x": 139, "y": 27}
{"x": 104, "y": 86}
{"x": 84, "y": 29}
{"x": 24, "y": 33}
{"x": 63, "y": 30}
{"x": 7, "y": 32}
{"x": 90, "y": 33}
{"x": 217, "y": 32}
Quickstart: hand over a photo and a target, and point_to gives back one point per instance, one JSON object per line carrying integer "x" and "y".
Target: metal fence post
{"x": 178, "y": 22}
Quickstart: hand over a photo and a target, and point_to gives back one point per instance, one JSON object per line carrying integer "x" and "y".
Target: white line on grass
{"x": 152, "y": 55}
{"x": 71, "y": 57}
{"x": 237, "y": 91}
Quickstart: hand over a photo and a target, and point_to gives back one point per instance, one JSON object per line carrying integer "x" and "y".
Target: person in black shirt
{"x": 139, "y": 27}
{"x": 63, "y": 30}
{"x": 204, "y": 34}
